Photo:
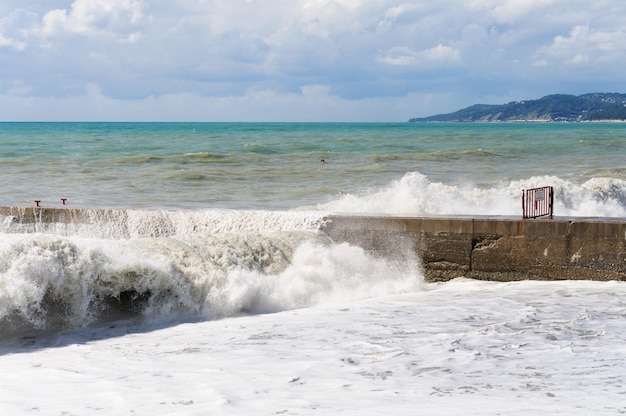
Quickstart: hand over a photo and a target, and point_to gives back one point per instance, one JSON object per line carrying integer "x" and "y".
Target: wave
{"x": 203, "y": 157}
{"x": 416, "y": 194}
{"x": 456, "y": 155}
{"x": 137, "y": 159}
{"x": 161, "y": 265}
{"x": 255, "y": 148}
{"x": 185, "y": 158}
{"x": 437, "y": 156}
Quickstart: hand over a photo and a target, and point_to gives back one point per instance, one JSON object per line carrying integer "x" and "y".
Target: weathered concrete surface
{"x": 500, "y": 249}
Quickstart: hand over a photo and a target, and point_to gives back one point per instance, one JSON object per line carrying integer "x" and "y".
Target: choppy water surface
{"x": 277, "y": 166}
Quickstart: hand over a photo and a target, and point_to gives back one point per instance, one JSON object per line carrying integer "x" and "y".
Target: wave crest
{"x": 416, "y": 194}
{"x": 51, "y": 282}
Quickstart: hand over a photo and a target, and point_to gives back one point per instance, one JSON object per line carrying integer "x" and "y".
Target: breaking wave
{"x": 416, "y": 194}
{"x": 167, "y": 265}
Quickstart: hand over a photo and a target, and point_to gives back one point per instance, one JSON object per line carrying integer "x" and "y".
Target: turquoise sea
{"x": 409, "y": 168}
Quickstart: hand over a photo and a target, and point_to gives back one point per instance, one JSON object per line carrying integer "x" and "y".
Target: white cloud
{"x": 93, "y": 18}
{"x": 584, "y": 45}
{"x": 404, "y": 56}
{"x": 12, "y": 29}
{"x": 394, "y": 13}
{"x": 442, "y": 53}
{"x": 512, "y": 11}
{"x": 11, "y": 43}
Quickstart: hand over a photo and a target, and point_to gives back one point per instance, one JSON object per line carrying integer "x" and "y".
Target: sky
{"x": 299, "y": 60}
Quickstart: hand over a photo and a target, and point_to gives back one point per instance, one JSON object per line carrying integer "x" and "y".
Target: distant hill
{"x": 557, "y": 107}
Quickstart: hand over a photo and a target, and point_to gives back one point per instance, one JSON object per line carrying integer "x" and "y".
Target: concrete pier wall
{"x": 502, "y": 249}
{"x": 488, "y": 248}
{"x": 29, "y": 215}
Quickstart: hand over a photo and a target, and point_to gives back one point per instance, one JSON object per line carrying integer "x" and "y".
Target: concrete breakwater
{"x": 488, "y": 248}
{"x": 502, "y": 249}
{"x": 41, "y": 215}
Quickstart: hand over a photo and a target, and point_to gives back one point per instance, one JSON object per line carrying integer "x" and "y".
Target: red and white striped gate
{"x": 538, "y": 202}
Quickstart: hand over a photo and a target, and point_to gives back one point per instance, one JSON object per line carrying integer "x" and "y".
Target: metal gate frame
{"x": 538, "y": 202}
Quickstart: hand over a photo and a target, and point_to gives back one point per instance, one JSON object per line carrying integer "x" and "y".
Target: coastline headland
{"x": 488, "y": 248}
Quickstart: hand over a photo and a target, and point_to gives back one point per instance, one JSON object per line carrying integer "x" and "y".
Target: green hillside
{"x": 557, "y": 107}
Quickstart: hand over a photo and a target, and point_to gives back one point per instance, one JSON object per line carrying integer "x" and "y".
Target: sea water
{"x": 408, "y": 168}
{"x": 209, "y": 288}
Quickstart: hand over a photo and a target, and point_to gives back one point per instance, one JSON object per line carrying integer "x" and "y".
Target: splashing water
{"x": 415, "y": 194}
{"x": 251, "y": 262}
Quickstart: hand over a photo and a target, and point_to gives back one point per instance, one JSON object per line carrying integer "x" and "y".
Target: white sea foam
{"x": 456, "y": 348}
{"x": 416, "y": 194}
{"x": 70, "y": 281}
{"x": 133, "y": 223}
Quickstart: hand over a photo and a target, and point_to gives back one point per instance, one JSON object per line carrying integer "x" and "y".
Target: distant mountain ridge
{"x": 557, "y": 107}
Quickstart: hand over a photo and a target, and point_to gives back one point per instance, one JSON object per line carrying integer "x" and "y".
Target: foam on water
{"x": 415, "y": 194}
{"x": 123, "y": 223}
{"x": 164, "y": 265}
{"x": 455, "y": 348}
